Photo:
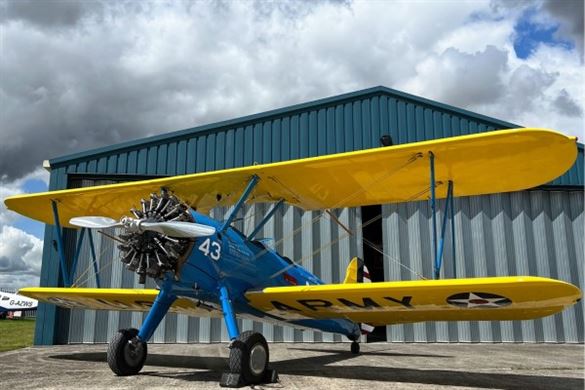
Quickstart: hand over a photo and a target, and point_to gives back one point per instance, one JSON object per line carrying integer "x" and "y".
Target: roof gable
{"x": 359, "y": 117}
{"x": 289, "y": 110}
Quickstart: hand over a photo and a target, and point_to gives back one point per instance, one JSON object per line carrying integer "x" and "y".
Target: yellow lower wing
{"x": 115, "y": 299}
{"x": 478, "y": 299}
{"x": 504, "y": 298}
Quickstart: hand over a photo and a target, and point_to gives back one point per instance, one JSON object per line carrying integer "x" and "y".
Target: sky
{"x": 77, "y": 75}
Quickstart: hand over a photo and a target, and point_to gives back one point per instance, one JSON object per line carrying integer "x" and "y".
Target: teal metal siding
{"x": 574, "y": 176}
{"x": 349, "y": 122}
{"x": 344, "y": 123}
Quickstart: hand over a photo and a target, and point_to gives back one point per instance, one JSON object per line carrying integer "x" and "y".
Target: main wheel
{"x": 126, "y": 353}
{"x": 355, "y": 347}
{"x": 249, "y": 357}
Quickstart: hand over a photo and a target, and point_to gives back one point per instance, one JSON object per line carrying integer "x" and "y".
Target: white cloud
{"x": 461, "y": 79}
{"x": 20, "y": 258}
{"x": 20, "y": 252}
{"x": 475, "y": 36}
{"x": 475, "y": 67}
{"x": 15, "y": 187}
{"x": 567, "y": 69}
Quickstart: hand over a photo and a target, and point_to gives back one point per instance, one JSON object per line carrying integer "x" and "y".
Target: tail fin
{"x": 357, "y": 272}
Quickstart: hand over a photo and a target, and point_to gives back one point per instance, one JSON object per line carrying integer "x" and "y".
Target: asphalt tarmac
{"x": 308, "y": 366}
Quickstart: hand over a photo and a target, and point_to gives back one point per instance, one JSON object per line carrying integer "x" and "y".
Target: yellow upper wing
{"x": 476, "y": 299}
{"x": 498, "y": 161}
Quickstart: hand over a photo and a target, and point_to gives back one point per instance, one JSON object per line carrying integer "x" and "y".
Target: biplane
{"x": 207, "y": 267}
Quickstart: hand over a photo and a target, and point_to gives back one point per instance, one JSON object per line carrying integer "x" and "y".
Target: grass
{"x": 16, "y": 334}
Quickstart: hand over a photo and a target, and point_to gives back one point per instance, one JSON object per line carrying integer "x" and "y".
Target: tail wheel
{"x": 249, "y": 357}
{"x": 126, "y": 353}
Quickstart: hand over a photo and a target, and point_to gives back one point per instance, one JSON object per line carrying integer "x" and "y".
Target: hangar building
{"x": 533, "y": 232}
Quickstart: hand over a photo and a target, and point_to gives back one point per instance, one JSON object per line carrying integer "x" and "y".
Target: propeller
{"x": 170, "y": 228}
{"x": 94, "y": 222}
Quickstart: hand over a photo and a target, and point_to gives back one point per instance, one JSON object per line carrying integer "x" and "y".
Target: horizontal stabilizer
{"x": 385, "y": 303}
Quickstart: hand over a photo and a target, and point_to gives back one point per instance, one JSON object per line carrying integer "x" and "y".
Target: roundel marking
{"x": 472, "y": 300}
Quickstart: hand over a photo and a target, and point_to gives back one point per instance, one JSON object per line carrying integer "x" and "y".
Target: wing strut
{"x": 438, "y": 248}
{"x": 93, "y": 257}
{"x": 434, "y": 207}
{"x": 95, "y": 264}
{"x": 439, "y": 257}
{"x": 249, "y": 188}
{"x": 68, "y": 275}
{"x": 60, "y": 248}
{"x": 77, "y": 252}
{"x": 265, "y": 219}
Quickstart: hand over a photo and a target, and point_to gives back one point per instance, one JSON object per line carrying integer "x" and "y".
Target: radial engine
{"x": 152, "y": 253}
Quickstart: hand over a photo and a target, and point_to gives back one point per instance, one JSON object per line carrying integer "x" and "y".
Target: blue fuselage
{"x": 229, "y": 259}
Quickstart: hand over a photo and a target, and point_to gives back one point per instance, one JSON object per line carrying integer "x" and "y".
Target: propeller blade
{"x": 172, "y": 228}
{"x": 179, "y": 229}
{"x": 94, "y": 222}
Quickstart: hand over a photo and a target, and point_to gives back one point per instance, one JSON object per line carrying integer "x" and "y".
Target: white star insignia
{"x": 474, "y": 300}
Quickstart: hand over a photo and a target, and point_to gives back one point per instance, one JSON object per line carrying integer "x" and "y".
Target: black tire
{"x": 126, "y": 357}
{"x": 355, "y": 347}
{"x": 249, "y": 357}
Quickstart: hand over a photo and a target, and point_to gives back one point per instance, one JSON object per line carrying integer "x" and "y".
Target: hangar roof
{"x": 416, "y": 107}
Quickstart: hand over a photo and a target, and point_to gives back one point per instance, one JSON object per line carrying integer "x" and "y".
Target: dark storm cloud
{"x": 138, "y": 71}
{"x": 49, "y": 13}
{"x": 80, "y": 75}
{"x": 82, "y": 88}
{"x": 570, "y": 15}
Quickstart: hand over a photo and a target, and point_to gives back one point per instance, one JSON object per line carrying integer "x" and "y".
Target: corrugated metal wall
{"x": 344, "y": 123}
{"x": 523, "y": 233}
{"x": 538, "y": 233}
{"x": 338, "y": 128}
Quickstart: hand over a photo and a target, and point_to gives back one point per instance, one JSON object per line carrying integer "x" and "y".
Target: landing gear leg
{"x": 128, "y": 349}
{"x": 249, "y": 355}
{"x": 355, "y": 345}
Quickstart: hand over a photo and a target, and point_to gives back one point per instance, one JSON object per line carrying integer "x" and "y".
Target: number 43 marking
{"x": 211, "y": 249}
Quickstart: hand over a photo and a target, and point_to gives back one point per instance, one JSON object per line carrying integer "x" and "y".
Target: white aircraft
{"x": 14, "y": 302}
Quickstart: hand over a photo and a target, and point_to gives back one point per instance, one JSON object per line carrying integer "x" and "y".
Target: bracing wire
{"x": 349, "y": 197}
{"x": 78, "y": 281}
{"x": 387, "y": 174}
{"x": 347, "y": 234}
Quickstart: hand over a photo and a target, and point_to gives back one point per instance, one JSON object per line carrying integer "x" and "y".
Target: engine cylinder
{"x": 150, "y": 253}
